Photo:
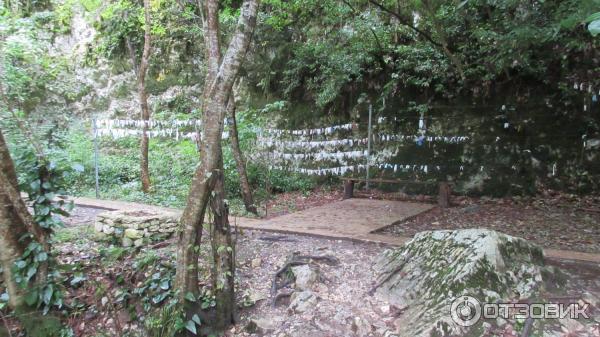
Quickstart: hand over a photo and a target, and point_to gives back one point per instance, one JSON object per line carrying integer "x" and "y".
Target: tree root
{"x": 298, "y": 260}
{"x": 281, "y": 295}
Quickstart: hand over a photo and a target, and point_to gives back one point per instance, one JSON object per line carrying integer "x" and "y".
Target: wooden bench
{"x": 444, "y": 190}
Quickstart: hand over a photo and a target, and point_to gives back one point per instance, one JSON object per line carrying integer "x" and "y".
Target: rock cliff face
{"x": 106, "y": 89}
{"x": 428, "y": 273}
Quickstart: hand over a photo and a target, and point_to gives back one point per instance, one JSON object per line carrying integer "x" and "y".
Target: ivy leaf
{"x": 160, "y": 297}
{"x": 41, "y": 257}
{"x": 20, "y": 264}
{"x": 191, "y": 327}
{"x": 31, "y": 297}
{"x": 47, "y": 295}
{"x": 35, "y": 184}
{"x": 77, "y": 279}
{"x": 30, "y": 272}
{"x": 196, "y": 319}
{"x": 594, "y": 27}
{"x": 190, "y": 297}
{"x": 593, "y": 17}
{"x": 45, "y": 210}
{"x": 164, "y": 285}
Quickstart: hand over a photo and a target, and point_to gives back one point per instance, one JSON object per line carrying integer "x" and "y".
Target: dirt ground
{"x": 344, "y": 307}
{"x": 562, "y": 222}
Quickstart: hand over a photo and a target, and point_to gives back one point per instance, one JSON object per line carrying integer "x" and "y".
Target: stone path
{"x": 343, "y": 220}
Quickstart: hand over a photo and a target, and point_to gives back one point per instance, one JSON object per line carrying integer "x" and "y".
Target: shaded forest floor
{"x": 113, "y": 291}
{"x": 552, "y": 220}
{"x": 559, "y": 221}
{"x": 106, "y": 304}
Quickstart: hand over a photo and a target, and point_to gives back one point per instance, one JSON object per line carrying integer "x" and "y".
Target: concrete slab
{"x": 347, "y": 218}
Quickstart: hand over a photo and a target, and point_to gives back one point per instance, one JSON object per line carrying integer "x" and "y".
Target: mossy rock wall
{"x": 136, "y": 228}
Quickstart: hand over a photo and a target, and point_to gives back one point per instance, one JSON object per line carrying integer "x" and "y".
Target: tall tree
{"x": 238, "y": 156}
{"x": 208, "y": 178}
{"x": 129, "y": 31}
{"x": 141, "y": 71}
{"x": 18, "y": 232}
{"x": 12, "y": 226}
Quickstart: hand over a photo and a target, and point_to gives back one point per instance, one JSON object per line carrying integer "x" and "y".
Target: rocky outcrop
{"x": 136, "y": 228}
{"x": 436, "y": 267}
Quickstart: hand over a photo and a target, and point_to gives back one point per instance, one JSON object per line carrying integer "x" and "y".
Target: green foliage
{"x": 594, "y": 23}
{"x": 165, "y": 321}
{"x": 329, "y": 53}
{"x": 91, "y": 5}
{"x": 63, "y": 14}
{"x": 43, "y": 180}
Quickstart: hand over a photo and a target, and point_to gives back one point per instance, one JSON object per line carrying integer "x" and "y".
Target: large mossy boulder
{"x": 424, "y": 276}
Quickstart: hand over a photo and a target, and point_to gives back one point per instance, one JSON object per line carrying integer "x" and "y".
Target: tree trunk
{"x": 12, "y": 227}
{"x": 444, "y": 194}
{"x": 217, "y": 89}
{"x": 223, "y": 272}
{"x": 143, "y": 96}
{"x": 239, "y": 159}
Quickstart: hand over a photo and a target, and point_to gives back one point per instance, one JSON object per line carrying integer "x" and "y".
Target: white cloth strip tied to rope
{"x": 318, "y": 155}
{"x": 138, "y": 123}
{"x": 309, "y": 132}
{"x": 165, "y": 133}
{"x": 309, "y": 144}
{"x": 341, "y": 170}
{"x": 413, "y": 138}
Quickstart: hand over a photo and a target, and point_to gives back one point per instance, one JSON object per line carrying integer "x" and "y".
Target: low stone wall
{"x": 137, "y": 228}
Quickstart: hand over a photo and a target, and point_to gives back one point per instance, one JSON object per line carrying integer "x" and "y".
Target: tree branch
{"x": 369, "y": 27}
{"x": 406, "y": 24}
{"x": 238, "y": 46}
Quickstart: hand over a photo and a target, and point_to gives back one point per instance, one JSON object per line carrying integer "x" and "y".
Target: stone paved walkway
{"x": 343, "y": 220}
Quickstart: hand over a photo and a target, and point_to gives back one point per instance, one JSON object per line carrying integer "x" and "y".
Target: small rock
{"x": 138, "y": 242}
{"x": 127, "y": 242}
{"x": 104, "y": 301}
{"x": 303, "y": 301}
{"x": 133, "y": 234}
{"x": 342, "y": 315}
{"x": 385, "y": 310}
{"x": 261, "y": 325}
{"x": 305, "y": 276}
{"x": 256, "y": 263}
{"x": 255, "y": 296}
{"x": 361, "y": 326}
